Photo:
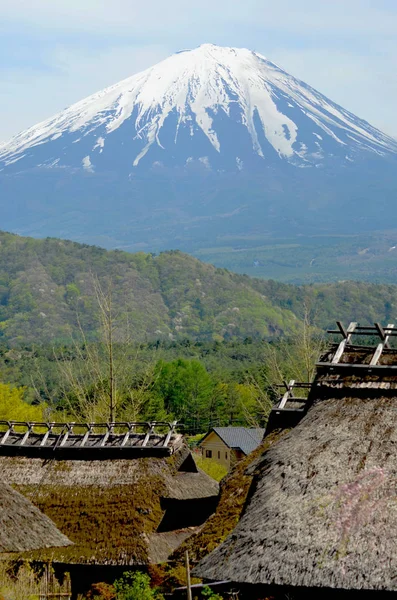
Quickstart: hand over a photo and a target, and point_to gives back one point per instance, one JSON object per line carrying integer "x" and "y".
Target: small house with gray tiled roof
{"x": 227, "y": 445}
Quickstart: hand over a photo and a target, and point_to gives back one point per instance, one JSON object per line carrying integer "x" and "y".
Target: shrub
{"x": 13, "y": 407}
{"x": 194, "y": 440}
{"x": 210, "y": 594}
{"x": 135, "y": 586}
{"x": 101, "y": 591}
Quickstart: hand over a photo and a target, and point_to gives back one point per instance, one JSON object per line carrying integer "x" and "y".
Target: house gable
{"x": 213, "y": 447}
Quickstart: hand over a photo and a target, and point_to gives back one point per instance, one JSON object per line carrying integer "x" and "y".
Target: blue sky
{"x": 56, "y": 52}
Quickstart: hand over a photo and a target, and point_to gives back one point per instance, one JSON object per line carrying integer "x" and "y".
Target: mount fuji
{"x": 211, "y": 141}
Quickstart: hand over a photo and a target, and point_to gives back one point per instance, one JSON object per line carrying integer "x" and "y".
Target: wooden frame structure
{"x": 80, "y": 439}
{"x": 354, "y": 329}
{"x": 289, "y": 409}
{"x": 288, "y": 397}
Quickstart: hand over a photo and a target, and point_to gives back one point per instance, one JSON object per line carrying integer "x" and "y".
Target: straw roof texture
{"x": 108, "y": 508}
{"x": 23, "y": 527}
{"x": 234, "y": 489}
{"x": 191, "y": 486}
{"x": 323, "y": 502}
{"x": 162, "y": 545}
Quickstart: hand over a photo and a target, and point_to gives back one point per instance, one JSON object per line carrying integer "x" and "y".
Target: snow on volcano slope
{"x": 223, "y": 108}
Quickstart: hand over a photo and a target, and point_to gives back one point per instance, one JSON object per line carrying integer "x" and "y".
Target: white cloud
{"x": 144, "y": 18}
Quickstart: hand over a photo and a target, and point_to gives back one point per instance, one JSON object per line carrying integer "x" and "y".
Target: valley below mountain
{"x": 309, "y": 259}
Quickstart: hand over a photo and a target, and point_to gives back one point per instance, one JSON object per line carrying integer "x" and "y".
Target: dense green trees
{"x": 110, "y": 335}
{"x": 47, "y": 293}
{"x": 200, "y": 399}
{"x": 200, "y": 384}
{"x": 14, "y": 407}
{"x": 186, "y": 389}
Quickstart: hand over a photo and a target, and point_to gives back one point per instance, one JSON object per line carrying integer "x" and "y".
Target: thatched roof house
{"x": 322, "y": 511}
{"x": 112, "y": 509}
{"x": 23, "y": 527}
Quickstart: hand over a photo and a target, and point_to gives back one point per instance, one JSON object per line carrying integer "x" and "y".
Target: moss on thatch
{"x": 105, "y": 524}
{"x": 323, "y": 502}
{"x": 233, "y": 494}
{"x": 23, "y": 527}
{"x": 108, "y": 508}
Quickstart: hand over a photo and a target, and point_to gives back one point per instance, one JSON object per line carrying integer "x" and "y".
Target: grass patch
{"x": 18, "y": 581}
{"x": 211, "y": 467}
{"x": 194, "y": 440}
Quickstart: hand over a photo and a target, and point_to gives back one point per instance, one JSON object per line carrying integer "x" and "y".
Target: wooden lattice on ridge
{"x": 140, "y": 438}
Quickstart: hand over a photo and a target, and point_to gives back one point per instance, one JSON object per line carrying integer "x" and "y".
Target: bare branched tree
{"x": 105, "y": 304}
{"x": 103, "y": 382}
{"x": 294, "y": 357}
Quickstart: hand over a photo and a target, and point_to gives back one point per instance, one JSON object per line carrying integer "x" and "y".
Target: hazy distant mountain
{"x": 210, "y": 142}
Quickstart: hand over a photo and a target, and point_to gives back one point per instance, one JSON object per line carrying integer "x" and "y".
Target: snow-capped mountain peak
{"x": 221, "y": 107}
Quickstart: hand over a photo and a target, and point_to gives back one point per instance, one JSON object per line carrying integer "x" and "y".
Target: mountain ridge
{"x": 47, "y": 293}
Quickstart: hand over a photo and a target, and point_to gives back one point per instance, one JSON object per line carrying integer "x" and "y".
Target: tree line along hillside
{"x": 200, "y": 384}
{"x": 189, "y": 342}
{"x": 48, "y": 293}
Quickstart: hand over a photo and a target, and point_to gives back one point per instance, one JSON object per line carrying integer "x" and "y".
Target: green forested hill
{"x": 327, "y": 302}
{"x": 47, "y": 292}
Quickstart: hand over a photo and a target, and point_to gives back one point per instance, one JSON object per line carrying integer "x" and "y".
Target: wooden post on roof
{"x": 50, "y": 427}
{"x": 110, "y": 427}
{"x": 149, "y": 433}
{"x": 169, "y": 434}
{"x": 384, "y": 344}
{"x": 29, "y": 431}
{"x": 90, "y": 428}
{"x": 69, "y": 431}
{"x": 347, "y": 334}
{"x": 188, "y": 584}
{"x": 131, "y": 427}
{"x": 7, "y": 433}
{"x": 284, "y": 399}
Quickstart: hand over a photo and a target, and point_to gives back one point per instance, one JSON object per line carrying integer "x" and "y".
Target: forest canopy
{"x": 90, "y": 334}
{"x": 47, "y": 294}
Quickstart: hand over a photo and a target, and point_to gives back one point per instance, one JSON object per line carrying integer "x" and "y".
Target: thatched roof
{"x": 323, "y": 506}
{"x": 23, "y": 527}
{"x": 233, "y": 494}
{"x": 162, "y": 545}
{"x": 191, "y": 486}
{"x": 108, "y": 508}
